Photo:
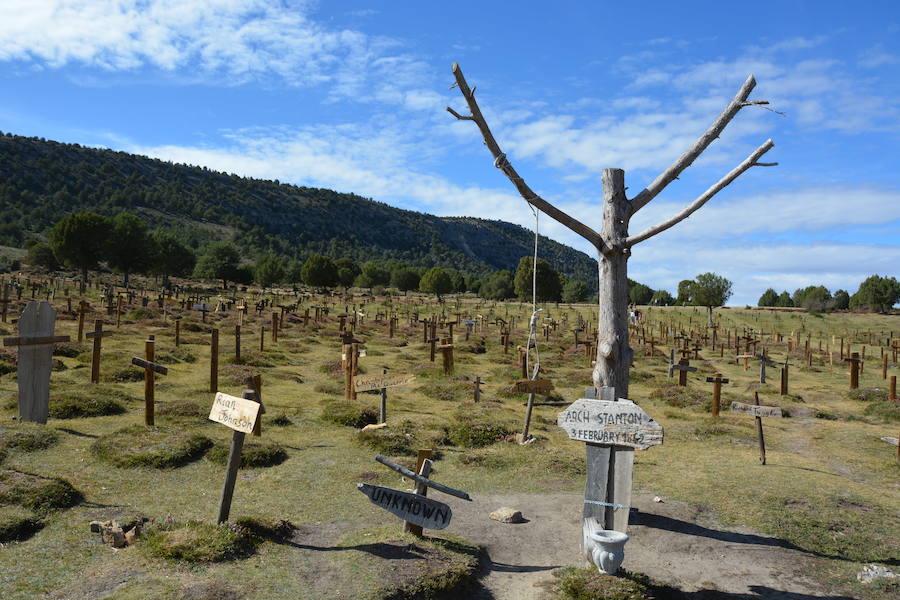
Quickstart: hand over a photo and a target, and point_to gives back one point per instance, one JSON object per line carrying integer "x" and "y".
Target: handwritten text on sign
{"x": 418, "y": 510}
{"x": 377, "y": 382}
{"x": 756, "y": 411}
{"x": 238, "y": 413}
{"x": 621, "y": 423}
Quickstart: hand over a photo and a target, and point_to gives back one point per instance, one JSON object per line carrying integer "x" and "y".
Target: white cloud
{"x": 227, "y": 41}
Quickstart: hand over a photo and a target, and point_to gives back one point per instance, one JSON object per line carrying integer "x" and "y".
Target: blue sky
{"x": 351, "y": 96}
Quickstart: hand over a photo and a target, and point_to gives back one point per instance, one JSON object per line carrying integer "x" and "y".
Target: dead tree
{"x": 613, "y": 243}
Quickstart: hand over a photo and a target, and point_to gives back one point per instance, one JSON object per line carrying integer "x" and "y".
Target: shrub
{"x": 470, "y": 434}
{"x": 40, "y": 494}
{"x": 158, "y": 447}
{"x": 81, "y": 404}
{"x": 253, "y": 454}
{"x": 348, "y": 414}
{"x": 17, "y": 524}
{"x": 198, "y": 542}
{"x": 587, "y": 584}
{"x": 26, "y": 437}
{"x": 397, "y": 440}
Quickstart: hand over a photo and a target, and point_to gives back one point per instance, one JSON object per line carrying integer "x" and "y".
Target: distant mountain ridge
{"x": 41, "y": 181}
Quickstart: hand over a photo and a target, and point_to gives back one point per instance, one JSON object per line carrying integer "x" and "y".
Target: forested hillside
{"x": 41, "y": 181}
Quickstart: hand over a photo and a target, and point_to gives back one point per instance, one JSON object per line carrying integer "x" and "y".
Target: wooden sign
{"x": 621, "y": 423}
{"x": 533, "y": 386}
{"x": 418, "y": 510}
{"x": 377, "y": 382}
{"x": 756, "y": 411}
{"x": 238, "y": 413}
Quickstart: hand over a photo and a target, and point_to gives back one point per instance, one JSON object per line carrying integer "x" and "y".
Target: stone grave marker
{"x": 34, "y": 359}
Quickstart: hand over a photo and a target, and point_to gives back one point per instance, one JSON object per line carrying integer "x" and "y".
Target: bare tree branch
{"x": 685, "y": 160}
{"x": 696, "y": 204}
{"x": 502, "y": 163}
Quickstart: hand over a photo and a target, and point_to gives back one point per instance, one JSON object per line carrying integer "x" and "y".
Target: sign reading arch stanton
{"x": 621, "y": 423}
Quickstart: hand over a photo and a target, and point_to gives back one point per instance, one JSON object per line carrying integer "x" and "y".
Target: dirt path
{"x": 672, "y": 542}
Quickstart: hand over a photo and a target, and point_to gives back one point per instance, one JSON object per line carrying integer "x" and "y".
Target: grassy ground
{"x": 830, "y": 486}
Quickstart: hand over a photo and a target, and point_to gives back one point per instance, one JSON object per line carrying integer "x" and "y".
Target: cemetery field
{"x": 826, "y": 500}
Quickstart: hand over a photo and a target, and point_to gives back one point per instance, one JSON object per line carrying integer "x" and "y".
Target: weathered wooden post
{"x": 177, "y": 331}
{"x": 83, "y": 309}
{"x": 150, "y": 368}
{"x": 239, "y": 414}
{"x": 237, "y": 344}
{"x": 4, "y": 303}
{"x": 784, "y": 379}
{"x": 854, "y": 361}
{"x": 892, "y": 389}
{"x": 34, "y": 359}
{"x": 717, "y": 382}
{"x": 683, "y": 367}
{"x": 446, "y": 349}
{"x": 423, "y": 468}
{"x": 214, "y": 362}
{"x": 97, "y": 336}
{"x": 614, "y": 244}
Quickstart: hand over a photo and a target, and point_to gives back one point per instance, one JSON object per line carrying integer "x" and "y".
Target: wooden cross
{"x": 764, "y": 362}
{"x": 83, "y": 309}
{"x": 855, "y": 362}
{"x": 717, "y": 382}
{"x": 683, "y": 367}
{"x": 34, "y": 359}
{"x": 203, "y": 308}
{"x": 97, "y": 335}
{"x": 150, "y": 368}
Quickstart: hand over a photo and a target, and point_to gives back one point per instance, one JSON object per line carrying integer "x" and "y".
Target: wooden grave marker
{"x": 4, "y": 302}
{"x": 203, "y": 307}
{"x": 530, "y": 387}
{"x": 414, "y": 508}
{"x": 612, "y": 429}
{"x": 34, "y": 359}
{"x": 150, "y": 368}
{"x": 240, "y": 414}
{"x": 717, "y": 382}
{"x": 683, "y": 367}
{"x": 97, "y": 335}
{"x": 381, "y": 382}
{"x": 83, "y": 309}
{"x": 855, "y": 362}
{"x": 758, "y": 412}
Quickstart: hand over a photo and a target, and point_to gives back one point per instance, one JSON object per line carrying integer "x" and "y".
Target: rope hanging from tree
{"x": 532, "y": 330}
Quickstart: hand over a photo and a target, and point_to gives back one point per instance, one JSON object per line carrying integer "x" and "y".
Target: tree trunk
{"x": 709, "y": 319}
{"x": 613, "y": 352}
{"x": 84, "y": 278}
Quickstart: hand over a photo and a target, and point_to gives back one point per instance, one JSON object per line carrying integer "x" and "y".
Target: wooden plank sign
{"x": 377, "y": 382}
{"x": 418, "y": 510}
{"x": 238, "y": 413}
{"x": 621, "y": 423}
{"x": 756, "y": 411}
{"x": 533, "y": 386}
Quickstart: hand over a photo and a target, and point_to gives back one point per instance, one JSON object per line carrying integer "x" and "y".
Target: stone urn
{"x": 603, "y": 547}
